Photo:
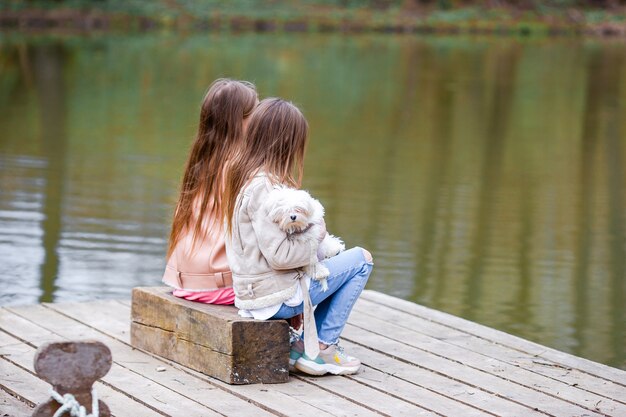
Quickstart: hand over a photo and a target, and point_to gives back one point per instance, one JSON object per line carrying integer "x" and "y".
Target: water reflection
{"x": 485, "y": 175}
{"x": 46, "y": 63}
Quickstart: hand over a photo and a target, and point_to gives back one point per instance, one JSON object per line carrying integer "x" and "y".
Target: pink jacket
{"x": 205, "y": 268}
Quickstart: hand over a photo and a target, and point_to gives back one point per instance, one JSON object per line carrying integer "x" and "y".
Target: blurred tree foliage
{"x": 368, "y": 4}
{"x": 598, "y": 17}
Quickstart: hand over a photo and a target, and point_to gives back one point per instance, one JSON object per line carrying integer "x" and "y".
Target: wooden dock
{"x": 417, "y": 362}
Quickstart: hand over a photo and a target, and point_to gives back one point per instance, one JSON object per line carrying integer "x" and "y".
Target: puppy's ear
{"x": 317, "y": 210}
{"x": 273, "y": 204}
{"x": 276, "y": 213}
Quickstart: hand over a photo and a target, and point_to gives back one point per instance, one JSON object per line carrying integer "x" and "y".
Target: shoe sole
{"x": 314, "y": 368}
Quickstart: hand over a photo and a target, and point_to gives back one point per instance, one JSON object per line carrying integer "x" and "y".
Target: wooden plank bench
{"x": 211, "y": 339}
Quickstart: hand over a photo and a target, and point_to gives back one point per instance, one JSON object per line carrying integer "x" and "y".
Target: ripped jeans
{"x": 349, "y": 272}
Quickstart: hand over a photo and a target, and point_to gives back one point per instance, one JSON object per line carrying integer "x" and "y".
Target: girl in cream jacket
{"x": 268, "y": 279}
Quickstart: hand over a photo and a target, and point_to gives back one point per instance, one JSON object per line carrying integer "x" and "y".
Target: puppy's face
{"x": 293, "y": 219}
{"x": 292, "y": 210}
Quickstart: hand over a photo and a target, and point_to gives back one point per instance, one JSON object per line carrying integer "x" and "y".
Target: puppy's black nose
{"x": 293, "y": 218}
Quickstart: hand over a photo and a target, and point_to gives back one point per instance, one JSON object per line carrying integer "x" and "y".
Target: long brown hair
{"x": 275, "y": 143}
{"x": 226, "y": 104}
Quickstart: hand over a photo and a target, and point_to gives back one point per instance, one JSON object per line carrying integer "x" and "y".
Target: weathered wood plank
{"x": 389, "y": 382}
{"x": 378, "y": 400}
{"x": 217, "y": 341}
{"x": 22, "y": 384}
{"x": 11, "y": 406}
{"x": 493, "y": 366}
{"x": 463, "y": 399}
{"x": 294, "y": 398}
{"x": 18, "y": 376}
{"x": 468, "y": 342}
{"x": 168, "y": 345}
{"x": 552, "y": 355}
{"x": 532, "y": 399}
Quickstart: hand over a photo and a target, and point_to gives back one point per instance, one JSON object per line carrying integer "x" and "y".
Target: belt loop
{"x": 219, "y": 280}
{"x": 228, "y": 278}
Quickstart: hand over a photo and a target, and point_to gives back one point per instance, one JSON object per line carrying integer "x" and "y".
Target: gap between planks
{"x": 14, "y": 407}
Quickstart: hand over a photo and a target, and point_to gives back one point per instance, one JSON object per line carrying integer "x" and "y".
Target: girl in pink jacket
{"x": 197, "y": 267}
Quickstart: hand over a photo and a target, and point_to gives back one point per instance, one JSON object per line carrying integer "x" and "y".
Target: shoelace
{"x": 342, "y": 353}
{"x": 293, "y": 336}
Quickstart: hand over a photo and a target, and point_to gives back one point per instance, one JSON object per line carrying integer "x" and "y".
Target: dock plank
{"x": 11, "y": 406}
{"x": 533, "y": 400}
{"x": 539, "y": 351}
{"x": 288, "y": 399}
{"x": 413, "y": 390}
{"x": 470, "y": 343}
{"x": 377, "y": 400}
{"x": 491, "y": 365}
{"x": 22, "y": 384}
{"x": 18, "y": 377}
{"x": 439, "y": 385}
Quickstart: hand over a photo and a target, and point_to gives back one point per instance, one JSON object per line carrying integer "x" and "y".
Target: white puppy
{"x": 300, "y": 216}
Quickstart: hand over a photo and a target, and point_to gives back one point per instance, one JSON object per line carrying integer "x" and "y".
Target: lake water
{"x": 486, "y": 175}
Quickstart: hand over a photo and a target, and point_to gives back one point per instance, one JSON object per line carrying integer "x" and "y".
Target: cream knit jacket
{"x": 265, "y": 263}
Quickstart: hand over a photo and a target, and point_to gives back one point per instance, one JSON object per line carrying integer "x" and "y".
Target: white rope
{"x": 69, "y": 403}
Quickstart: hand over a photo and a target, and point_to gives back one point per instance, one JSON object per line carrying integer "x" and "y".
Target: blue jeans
{"x": 349, "y": 272}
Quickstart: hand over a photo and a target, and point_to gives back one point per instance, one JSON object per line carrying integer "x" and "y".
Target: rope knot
{"x": 68, "y": 403}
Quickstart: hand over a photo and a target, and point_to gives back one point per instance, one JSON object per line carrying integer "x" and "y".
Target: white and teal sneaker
{"x": 332, "y": 360}
{"x": 296, "y": 350}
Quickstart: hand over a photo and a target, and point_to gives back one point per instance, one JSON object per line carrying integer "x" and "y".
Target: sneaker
{"x": 332, "y": 360}
{"x": 297, "y": 349}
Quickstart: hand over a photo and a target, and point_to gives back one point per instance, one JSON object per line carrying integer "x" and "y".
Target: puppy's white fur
{"x": 300, "y": 216}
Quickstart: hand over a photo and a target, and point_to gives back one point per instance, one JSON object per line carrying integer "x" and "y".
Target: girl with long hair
{"x": 197, "y": 267}
{"x": 268, "y": 279}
